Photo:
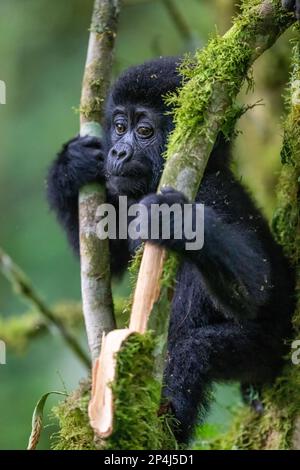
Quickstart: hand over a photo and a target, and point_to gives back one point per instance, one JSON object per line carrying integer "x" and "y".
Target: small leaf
{"x": 37, "y": 420}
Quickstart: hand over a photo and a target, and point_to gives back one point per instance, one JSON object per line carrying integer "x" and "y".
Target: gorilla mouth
{"x": 127, "y": 185}
{"x": 130, "y": 170}
{"x": 131, "y": 179}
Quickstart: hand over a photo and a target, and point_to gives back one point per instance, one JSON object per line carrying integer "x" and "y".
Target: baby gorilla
{"x": 233, "y": 300}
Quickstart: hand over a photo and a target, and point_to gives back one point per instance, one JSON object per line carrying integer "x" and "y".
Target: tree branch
{"x": 18, "y": 330}
{"x": 23, "y": 286}
{"x": 94, "y": 253}
{"x": 178, "y": 20}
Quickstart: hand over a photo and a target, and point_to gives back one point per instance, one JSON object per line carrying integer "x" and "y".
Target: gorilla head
{"x": 137, "y": 126}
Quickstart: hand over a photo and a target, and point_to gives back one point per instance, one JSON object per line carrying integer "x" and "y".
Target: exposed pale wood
{"x": 101, "y": 407}
{"x": 148, "y": 287}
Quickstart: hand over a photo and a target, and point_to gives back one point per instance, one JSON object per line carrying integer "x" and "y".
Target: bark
{"x": 94, "y": 253}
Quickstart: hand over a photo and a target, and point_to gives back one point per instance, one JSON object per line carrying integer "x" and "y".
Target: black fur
{"x": 231, "y": 311}
{"x": 292, "y": 5}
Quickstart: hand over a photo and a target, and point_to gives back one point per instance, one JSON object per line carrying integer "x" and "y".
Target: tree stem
{"x": 94, "y": 253}
{"x": 23, "y": 286}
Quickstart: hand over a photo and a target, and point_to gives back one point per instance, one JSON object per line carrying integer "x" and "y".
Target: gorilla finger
{"x": 172, "y": 196}
{"x": 79, "y": 151}
{"x": 168, "y": 189}
{"x": 151, "y": 199}
{"x": 94, "y": 154}
{"x": 169, "y": 198}
{"x": 90, "y": 141}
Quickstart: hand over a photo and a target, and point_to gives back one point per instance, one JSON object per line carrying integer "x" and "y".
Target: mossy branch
{"x": 23, "y": 287}
{"x": 278, "y": 427}
{"x": 17, "y": 331}
{"x": 206, "y": 105}
{"x": 94, "y": 253}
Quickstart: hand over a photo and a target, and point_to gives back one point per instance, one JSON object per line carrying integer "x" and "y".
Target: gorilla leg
{"x": 247, "y": 352}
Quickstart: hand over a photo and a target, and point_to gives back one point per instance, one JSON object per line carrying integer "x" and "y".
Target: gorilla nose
{"x": 122, "y": 151}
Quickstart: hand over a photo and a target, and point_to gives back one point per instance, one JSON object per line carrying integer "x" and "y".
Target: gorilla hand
{"x": 292, "y": 5}
{"x": 80, "y": 161}
{"x": 163, "y": 225}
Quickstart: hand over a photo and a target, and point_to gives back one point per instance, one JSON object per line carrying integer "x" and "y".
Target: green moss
{"x": 286, "y": 223}
{"x": 133, "y": 270}
{"x": 273, "y": 430}
{"x": 120, "y": 305}
{"x": 74, "y": 432}
{"x": 17, "y": 330}
{"x": 137, "y": 393}
{"x": 137, "y": 398}
{"x": 225, "y": 61}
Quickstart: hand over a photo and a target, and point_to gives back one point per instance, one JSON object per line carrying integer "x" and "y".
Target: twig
{"x": 18, "y": 330}
{"x": 175, "y": 14}
{"x": 178, "y": 19}
{"x": 24, "y": 287}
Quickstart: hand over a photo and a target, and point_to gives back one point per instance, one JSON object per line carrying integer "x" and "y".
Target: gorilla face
{"x": 137, "y": 137}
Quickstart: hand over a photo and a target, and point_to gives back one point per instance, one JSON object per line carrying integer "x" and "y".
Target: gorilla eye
{"x": 144, "y": 131}
{"x": 120, "y": 128}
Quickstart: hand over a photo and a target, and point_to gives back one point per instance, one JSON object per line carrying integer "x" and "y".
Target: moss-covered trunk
{"x": 279, "y": 426}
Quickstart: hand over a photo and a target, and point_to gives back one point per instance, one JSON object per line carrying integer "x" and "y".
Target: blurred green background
{"x": 42, "y": 55}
